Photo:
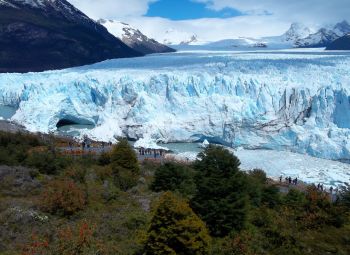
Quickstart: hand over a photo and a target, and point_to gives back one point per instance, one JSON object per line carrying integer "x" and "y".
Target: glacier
{"x": 291, "y": 100}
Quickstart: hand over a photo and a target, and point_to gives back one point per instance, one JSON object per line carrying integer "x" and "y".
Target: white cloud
{"x": 112, "y": 8}
{"x": 255, "y": 22}
{"x": 308, "y": 11}
{"x": 210, "y": 29}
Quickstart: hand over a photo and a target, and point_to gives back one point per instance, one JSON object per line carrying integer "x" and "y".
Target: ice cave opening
{"x": 66, "y": 122}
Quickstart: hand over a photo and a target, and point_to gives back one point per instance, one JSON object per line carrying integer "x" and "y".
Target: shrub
{"x": 76, "y": 172}
{"x": 221, "y": 198}
{"x": 259, "y": 175}
{"x": 37, "y": 246}
{"x": 271, "y": 196}
{"x": 176, "y": 229}
{"x": 62, "y": 197}
{"x": 345, "y": 196}
{"x": 77, "y": 241}
{"x": 174, "y": 177}
{"x": 47, "y": 162}
{"x": 104, "y": 159}
{"x": 294, "y": 198}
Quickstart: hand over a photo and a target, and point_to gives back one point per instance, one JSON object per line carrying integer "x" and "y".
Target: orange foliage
{"x": 63, "y": 196}
{"x": 36, "y": 247}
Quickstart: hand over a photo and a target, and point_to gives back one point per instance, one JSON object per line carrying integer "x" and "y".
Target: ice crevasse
{"x": 296, "y": 102}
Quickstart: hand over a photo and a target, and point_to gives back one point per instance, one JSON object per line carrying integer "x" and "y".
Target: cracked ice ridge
{"x": 295, "y": 101}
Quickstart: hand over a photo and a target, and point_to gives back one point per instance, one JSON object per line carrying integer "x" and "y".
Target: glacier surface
{"x": 280, "y": 100}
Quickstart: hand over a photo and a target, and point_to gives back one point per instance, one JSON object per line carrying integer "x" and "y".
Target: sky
{"x": 214, "y": 20}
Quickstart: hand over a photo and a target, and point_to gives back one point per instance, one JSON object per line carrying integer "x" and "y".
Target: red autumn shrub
{"x": 62, "y": 197}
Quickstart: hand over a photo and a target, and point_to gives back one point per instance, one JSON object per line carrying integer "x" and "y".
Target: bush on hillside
{"x": 62, "y": 197}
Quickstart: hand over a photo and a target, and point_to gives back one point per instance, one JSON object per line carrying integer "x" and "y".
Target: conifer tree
{"x": 126, "y": 168}
{"x": 221, "y": 199}
{"x": 176, "y": 229}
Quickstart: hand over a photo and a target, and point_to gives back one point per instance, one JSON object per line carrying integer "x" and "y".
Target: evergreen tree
{"x": 126, "y": 168}
{"x": 176, "y": 229}
{"x": 221, "y": 198}
{"x": 174, "y": 177}
{"x": 345, "y": 196}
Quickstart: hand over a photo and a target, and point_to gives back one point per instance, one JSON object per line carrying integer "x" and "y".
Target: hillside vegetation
{"x": 113, "y": 204}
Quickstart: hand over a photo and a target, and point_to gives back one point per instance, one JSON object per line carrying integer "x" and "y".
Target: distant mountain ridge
{"x": 343, "y": 43}
{"x": 37, "y": 35}
{"x": 134, "y": 38}
{"x": 297, "y": 36}
{"x": 324, "y": 36}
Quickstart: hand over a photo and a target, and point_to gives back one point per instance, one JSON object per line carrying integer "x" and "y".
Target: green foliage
{"x": 246, "y": 214}
{"x": 14, "y": 147}
{"x": 125, "y": 165}
{"x": 271, "y": 196}
{"x": 174, "y": 177}
{"x": 221, "y": 198}
{"x": 176, "y": 229}
{"x": 345, "y": 196}
{"x": 259, "y": 175}
{"x": 294, "y": 198}
{"x": 104, "y": 159}
{"x": 47, "y": 162}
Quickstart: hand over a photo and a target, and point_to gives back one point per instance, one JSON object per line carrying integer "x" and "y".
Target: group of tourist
{"x": 331, "y": 189}
{"x": 151, "y": 152}
{"x": 87, "y": 144}
{"x": 289, "y": 180}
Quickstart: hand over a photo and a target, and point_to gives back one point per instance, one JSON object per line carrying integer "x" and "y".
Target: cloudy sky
{"x": 217, "y": 19}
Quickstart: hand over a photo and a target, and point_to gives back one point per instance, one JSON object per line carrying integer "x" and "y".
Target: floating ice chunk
{"x": 205, "y": 143}
{"x": 149, "y": 143}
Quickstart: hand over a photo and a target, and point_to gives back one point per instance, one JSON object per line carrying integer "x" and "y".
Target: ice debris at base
{"x": 149, "y": 143}
{"x": 296, "y": 101}
{"x": 276, "y": 163}
{"x": 205, "y": 143}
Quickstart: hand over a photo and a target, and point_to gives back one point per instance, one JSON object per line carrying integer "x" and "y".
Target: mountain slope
{"x": 296, "y": 32}
{"x": 37, "y": 35}
{"x": 343, "y": 43}
{"x": 134, "y": 38}
{"x": 325, "y": 36}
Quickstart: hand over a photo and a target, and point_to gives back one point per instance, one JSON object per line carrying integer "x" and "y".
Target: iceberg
{"x": 205, "y": 143}
{"x": 149, "y": 143}
{"x": 279, "y": 100}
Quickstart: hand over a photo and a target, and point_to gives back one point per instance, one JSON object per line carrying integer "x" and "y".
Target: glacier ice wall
{"x": 278, "y": 100}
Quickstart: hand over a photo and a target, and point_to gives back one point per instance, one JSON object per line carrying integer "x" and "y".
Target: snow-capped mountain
{"x": 325, "y": 36}
{"x": 40, "y": 35}
{"x": 342, "y": 28}
{"x": 287, "y": 40}
{"x": 134, "y": 38}
{"x": 177, "y": 37}
{"x": 343, "y": 43}
{"x": 296, "y": 32}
